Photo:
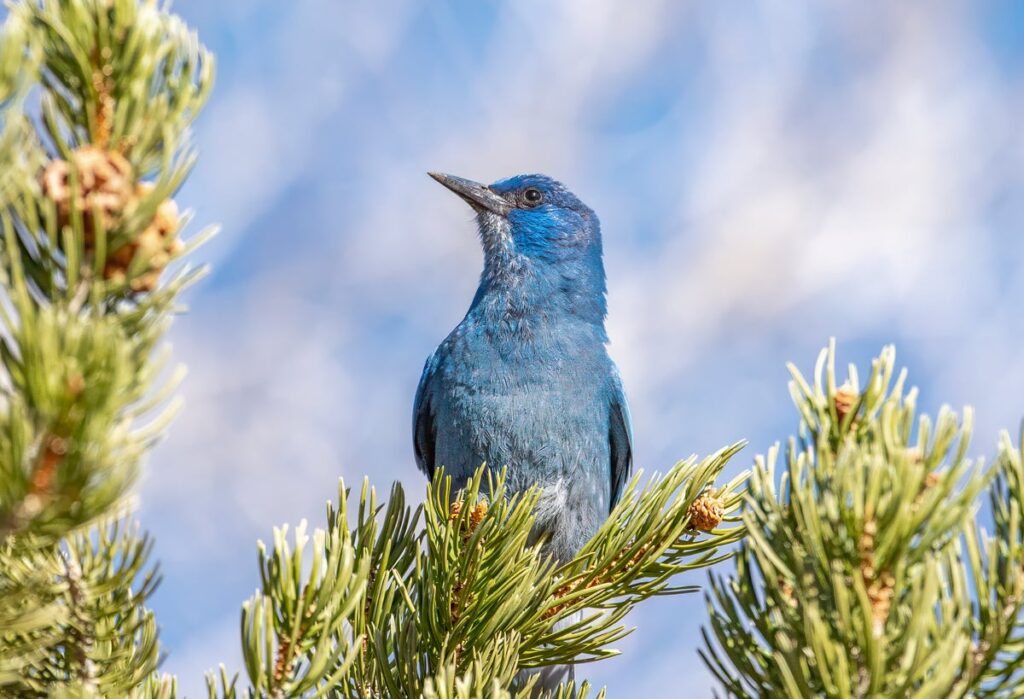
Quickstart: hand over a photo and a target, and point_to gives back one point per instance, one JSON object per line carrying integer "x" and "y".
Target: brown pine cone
{"x": 104, "y": 185}
{"x": 157, "y": 243}
{"x": 706, "y": 512}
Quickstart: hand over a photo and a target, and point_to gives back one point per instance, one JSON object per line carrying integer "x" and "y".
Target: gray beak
{"x": 475, "y": 194}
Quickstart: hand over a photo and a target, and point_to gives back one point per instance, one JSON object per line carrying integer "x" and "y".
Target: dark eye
{"x": 532, "y": 196}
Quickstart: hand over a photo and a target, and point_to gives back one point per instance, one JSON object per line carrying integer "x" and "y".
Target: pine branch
{"x": 79, "y": 639}
{"x": 994, "y": 569}
{"x": 480, "y": 682}
{"x": 78, "y": 337}
{"x": 864, "y": 572}
{"x": 465, "y": 604}
{"x": 32, "y": 618}
{"x": 96, "y": 97}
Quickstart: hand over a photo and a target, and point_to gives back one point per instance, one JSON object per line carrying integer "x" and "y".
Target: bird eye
{"x": 532, "y": 196}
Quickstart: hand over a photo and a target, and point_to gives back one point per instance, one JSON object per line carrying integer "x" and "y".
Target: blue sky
{"x": 768, "y": 175}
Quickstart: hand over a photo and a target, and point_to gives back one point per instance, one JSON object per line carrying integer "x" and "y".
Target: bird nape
{"x": 525, "y": 380}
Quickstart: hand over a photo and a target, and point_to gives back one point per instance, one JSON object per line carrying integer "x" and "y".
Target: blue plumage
{"x": 525, "y": 379}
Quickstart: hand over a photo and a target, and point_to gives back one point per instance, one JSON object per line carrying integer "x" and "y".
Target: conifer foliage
{"x": 455, "y": 599}
{"x": 866, "y": 572}
{"x": 97, "y": 98}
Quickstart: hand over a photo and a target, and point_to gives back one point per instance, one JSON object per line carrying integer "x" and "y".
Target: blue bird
{"x": 525, "y": 380}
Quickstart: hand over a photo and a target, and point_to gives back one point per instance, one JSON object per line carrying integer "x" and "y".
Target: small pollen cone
{"x": 706, "y": 512}
{"x": 455, "y": 510}
{"x": 477, "y": 515}
{"x": 105, "y": 195}
{"x": 845, "y": 400}
{"x": 157, "y": 244}
{"x": 104, "y": 185}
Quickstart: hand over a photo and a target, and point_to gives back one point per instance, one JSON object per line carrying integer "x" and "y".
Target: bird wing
{"x": 424, "y": 432}
{"x": 620, "y": 435}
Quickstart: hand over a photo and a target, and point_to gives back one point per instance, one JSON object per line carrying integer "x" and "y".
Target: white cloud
{"x": 259, "y": 130}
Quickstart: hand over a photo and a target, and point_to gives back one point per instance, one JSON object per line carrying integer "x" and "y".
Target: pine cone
{"x": 706, "y": 512}
{"x": 157, "y": 243}
{"x": 880, "y": 593}
{"x": 104, "y": 185}
{"x": 455, "y": 510}
{"x": 477, "y": 515}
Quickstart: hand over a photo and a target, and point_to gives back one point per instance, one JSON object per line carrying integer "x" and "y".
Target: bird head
{"x": 532, "y": 222}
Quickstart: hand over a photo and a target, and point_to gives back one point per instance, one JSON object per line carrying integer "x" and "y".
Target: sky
{"x": 768, "y": 175}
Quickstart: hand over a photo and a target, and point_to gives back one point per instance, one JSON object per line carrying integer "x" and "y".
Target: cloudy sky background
{"x": 768, "y": 175}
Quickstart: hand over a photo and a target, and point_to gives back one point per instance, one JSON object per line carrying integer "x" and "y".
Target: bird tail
{"x": 554, "y": 675}
{"x": 550, "y": 678}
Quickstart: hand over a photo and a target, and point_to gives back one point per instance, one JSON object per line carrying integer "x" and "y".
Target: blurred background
{"x": 768, "y": 175}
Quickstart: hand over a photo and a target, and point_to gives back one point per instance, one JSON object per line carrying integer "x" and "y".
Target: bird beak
{"x": 477, "y": 195}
